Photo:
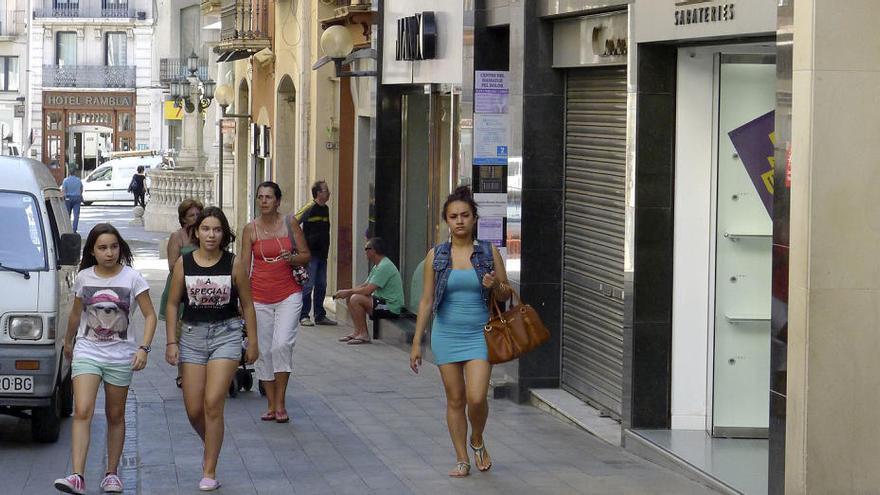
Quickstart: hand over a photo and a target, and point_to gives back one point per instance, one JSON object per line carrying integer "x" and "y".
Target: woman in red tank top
{"x": 277, "y": 296}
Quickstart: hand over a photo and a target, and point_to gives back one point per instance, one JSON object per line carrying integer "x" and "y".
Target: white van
{"x": 38, "y": 264}
{"x": 109, "y": 182}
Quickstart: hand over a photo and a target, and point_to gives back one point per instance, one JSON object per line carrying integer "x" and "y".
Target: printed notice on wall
{"x": 491, "y": 229}
{"x": 491, "y": 204}
{"x": 490, "y": 139}
{"x": 491, "y": 91}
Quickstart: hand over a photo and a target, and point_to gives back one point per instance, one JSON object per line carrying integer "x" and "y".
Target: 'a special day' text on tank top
{"x": 210, "y": 294}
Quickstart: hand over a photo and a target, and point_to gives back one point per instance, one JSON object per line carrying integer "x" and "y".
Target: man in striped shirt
{"x": 315, "y": 220}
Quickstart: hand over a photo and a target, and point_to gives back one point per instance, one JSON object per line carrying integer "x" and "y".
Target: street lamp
{"x": 224, "y": 97}
{"x": 337, "y": 45}
{"x": 182, "y": 93}
{"x": 192, "y": 64}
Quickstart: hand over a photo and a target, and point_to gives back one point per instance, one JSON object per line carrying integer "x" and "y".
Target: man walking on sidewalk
{"x": 72, "y": 188}
{"x": 315, "y": 220}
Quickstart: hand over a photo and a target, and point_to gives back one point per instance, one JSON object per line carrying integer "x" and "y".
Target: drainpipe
{"x": 303, "y": 100}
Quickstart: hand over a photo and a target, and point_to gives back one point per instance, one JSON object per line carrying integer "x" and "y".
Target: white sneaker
{"x": 306, "y": 322}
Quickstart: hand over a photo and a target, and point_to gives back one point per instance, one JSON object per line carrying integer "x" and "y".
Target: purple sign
{"x": 754, "y": 144}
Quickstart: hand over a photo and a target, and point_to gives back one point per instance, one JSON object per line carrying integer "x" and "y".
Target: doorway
{"x": 428, "y": 167}
{"x": 88, "y": 146}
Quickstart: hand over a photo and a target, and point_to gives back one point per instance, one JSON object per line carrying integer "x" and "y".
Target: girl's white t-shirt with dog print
{"x": 108, "y": 306}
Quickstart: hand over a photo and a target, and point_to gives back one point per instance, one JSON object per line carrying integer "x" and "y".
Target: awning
{"x": 233, "y": 55}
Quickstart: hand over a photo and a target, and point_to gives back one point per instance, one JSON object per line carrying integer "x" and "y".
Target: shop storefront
{"x": 591, "y": 50}
{"x": 417, "y": 160}
{"x": 700, "y": 362}
{"x": 80, "y": 129}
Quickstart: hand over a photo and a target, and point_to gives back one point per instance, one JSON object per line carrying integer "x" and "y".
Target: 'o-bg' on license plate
{"x": 17, "y": 384}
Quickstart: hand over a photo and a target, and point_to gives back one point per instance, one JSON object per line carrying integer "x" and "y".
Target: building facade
{"x": 636, "y": 146}
{"x": 90, "y": 80}
{"x": 14, "y": 84}
{"x": 294, "y": 125}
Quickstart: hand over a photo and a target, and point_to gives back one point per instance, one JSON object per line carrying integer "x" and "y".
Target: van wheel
{"x": 46, "y": 421}
{"x": 87, "y": 203}
{"x": 67, "y": 397}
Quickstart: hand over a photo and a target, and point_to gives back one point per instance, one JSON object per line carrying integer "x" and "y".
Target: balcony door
{"x": 116, "y": 50}
{"x": 65, "y": 49}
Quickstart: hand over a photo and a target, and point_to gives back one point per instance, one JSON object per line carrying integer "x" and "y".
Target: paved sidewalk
{"x": 361, "y": 422}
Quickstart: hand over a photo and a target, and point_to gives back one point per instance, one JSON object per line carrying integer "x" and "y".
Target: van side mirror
{"x": 69, "y": 250}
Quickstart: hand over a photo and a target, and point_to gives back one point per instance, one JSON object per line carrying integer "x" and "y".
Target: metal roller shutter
{"x": 595, "y": 174}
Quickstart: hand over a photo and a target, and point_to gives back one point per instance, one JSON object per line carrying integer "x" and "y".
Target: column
{"x": 834, "y": 281}
{"x": 192, "y": 152}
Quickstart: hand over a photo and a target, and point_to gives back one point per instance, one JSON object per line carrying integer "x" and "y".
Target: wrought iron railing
{"x": 89, "y": 76}
{"x": 244, "y": 20}
{"x": 90, "y": 9}
{"x": 175, "y": 69}
{"x": 13, "y": 22}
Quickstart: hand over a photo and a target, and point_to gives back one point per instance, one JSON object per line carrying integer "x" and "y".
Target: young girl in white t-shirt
{"x": 107, "y": 289}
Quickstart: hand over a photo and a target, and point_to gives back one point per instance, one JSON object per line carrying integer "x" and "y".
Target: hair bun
{"x": 463, "y": 192}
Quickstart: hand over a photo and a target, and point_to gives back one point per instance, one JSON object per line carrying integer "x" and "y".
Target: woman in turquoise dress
{"x": 180, "y": 243}
{"x": 460, "y": 276}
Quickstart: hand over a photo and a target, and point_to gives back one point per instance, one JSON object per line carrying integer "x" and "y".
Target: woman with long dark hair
{"x": 107, "y": 292}
{"x": 212, "y": 284}
{"x": 459, "y": 278}
{"x": 277, "y": 294}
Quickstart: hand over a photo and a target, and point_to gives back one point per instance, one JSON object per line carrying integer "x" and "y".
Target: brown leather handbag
{"x": 511, "y": 333}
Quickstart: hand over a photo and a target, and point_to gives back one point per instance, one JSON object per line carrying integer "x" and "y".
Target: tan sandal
{"x": 480, "y": 457}
{"x": 461, "y": 470}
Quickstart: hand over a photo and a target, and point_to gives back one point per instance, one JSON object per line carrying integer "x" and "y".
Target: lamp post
{"x": 194, "y": 95}
{"x": 337, "y": 44}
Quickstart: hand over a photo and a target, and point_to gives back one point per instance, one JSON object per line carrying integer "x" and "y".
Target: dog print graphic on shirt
{"x": 107, "y": 313}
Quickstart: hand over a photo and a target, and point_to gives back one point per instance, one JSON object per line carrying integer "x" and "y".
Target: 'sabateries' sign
{"x": 68, "y": 100}
{"x": 694, "y": 12}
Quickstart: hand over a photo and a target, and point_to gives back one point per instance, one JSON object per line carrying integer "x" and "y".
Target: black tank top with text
{"x": 210, "y": 293}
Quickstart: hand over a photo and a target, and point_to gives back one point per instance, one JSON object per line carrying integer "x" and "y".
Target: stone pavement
{"x": 361, "y": 422}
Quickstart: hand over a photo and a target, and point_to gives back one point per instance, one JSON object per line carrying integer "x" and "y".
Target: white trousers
{"x": 277, "y": 325}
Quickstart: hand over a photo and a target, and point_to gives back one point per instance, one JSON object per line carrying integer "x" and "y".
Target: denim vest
{"x": 481, "y": 259}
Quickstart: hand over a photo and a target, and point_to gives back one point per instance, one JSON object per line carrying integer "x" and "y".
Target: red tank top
{"x": 272, "y": 277}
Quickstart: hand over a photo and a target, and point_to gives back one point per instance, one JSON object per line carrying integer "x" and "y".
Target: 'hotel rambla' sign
{"x": 691, "y": 12}
{"x": 89, "y": 101}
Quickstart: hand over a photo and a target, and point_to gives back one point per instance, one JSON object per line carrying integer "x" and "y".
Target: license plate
{"x": 16, "y": 384}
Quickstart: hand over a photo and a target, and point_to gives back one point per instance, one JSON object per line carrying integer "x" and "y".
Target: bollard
{"x": 138, "y": 212}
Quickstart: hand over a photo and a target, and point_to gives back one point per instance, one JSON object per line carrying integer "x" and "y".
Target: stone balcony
{"x": 168, "y": 188}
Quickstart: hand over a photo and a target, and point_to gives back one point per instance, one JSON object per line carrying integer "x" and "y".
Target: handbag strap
{"x": 494, "y": 308}
{"x": 289, "y": 225}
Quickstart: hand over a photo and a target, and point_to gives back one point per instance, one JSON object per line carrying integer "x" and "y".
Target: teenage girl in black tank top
{"x": 212, "y": 285}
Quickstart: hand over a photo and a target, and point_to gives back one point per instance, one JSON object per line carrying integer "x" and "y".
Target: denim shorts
{"x": 201, "y": 342}
{"x": 114, "y": 374}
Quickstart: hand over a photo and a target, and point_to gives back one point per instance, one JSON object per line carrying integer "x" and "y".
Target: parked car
{"x": 110, "y": 180}
{"x": 38, "y": 264}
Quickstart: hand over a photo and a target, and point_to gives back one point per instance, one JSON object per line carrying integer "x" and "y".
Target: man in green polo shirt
{"x": 380, "y": 296}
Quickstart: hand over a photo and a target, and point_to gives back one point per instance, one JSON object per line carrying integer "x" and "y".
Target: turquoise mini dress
{"x": 457, "y": 332}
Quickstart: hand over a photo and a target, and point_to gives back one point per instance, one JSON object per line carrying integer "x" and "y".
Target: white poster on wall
{"x": 490, "y": 139}
{"x": 491, "y": 204}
